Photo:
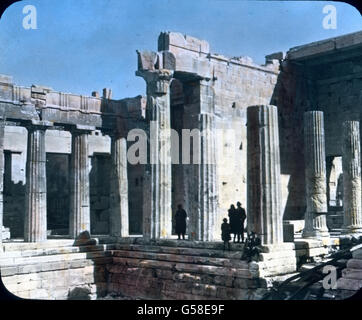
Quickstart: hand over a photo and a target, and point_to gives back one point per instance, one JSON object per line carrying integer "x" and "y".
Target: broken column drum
{"x": 315, "y": 176}
{"x": 351, "y": 161}
{"x": 263, "y": 186}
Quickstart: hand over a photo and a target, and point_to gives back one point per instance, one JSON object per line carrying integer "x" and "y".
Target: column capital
{"x": 120, "y": 130}
{"x": 33, "y": 125}
{"x": 80, "y": 129}
{"x": 158, "y": 81}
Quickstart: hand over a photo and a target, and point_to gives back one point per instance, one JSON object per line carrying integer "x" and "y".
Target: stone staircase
{"x": 182, "y": 270}
{"x": 54, "y": 269}
{"x": 136, "y": 268}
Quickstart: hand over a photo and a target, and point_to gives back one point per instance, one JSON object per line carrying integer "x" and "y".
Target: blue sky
{"x": 86, "y": 45}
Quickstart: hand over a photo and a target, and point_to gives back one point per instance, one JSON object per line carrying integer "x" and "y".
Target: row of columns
{"x": 263, "y": 185}
{"x": 264, "y": 193}
{"x": 316, "y": 181}
{"x": 35, "y": 222}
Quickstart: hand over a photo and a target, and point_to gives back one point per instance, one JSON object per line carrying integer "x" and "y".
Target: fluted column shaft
{"x": 263, "y": 185}
{"x": 157, "y": 215}
{"x": 35, "y": 222}
{"x": 315, "y": 176}
{"x": 2, "y": 164}
{"x": 351, "y": 161}
{"x": 79, "y": 185}
{"x": 203, "y": 184}
{"x": 119, "y": 188}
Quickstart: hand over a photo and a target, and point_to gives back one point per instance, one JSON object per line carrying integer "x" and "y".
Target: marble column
{"x": 35, "y": 222}
{"x": 315, "y": 176}
{"x": 79, "y": 184}
{"x": 263, "y": 164}
{"x": 203, "y": 183}
{"x": 119, "y": 224}
{"x": 2, "y": 168}
{"x": 351, "y": 162}
{"x": 157, "y": 215}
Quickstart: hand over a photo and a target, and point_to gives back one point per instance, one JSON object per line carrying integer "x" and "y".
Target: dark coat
{"x": 237, "y": 218}
{"x": 180, "y": 218}
{"x": 233, "y": 220}
{"x": 225, "y": 231}
{"x": 240, "y": 217}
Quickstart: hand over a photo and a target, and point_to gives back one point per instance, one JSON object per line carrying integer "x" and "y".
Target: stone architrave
{"x": 351, "y": 162}
{"x": 157, "y": 215}
{"x": 263, "y": 185}
{"x": 35, "y": 222}
{"x": 315, "y": 176}
{"x": 79, "y": 182}
{"x": 2, "y": 164}
{"x": 119, "y": 225}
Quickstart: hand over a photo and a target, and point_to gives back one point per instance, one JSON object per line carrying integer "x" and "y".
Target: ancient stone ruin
{"x": 90, "y": 185}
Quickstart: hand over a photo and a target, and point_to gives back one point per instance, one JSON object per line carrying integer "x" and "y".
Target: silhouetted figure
{"x": 339, "y": 195}
{"x": 225, "y": 233}
{"x": 240, "y": 217}
{"x": 180, "y": 218}
{"x": 251, "y": 248}
{"x": 233, "y": 220}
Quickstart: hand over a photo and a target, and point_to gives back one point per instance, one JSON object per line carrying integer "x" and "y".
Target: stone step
{"x": 151, "y": 287}
{"x": 20, "y": 245}
{"x": 13, "y": 261}
{"x": 11, "y": 270}
{"x": 210, "y": 245}
{"x": 135, "y": 273}
{"x": 52, "y": 251}
{"x": 201, "y": 252}
{"x": 220, "y": 262}
{"x": 120, "y": 262}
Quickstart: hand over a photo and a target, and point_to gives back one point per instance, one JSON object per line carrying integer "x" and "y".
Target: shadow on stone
{"x": 84, "y": 239}
{"x": 80, "y": 293}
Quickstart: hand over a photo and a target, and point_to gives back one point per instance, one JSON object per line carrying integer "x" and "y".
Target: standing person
{"x": 233, "y": 220}
{"x": 241, "y": 215}
{"x": 225, "y": 233}
{"x": 180, "y": 218}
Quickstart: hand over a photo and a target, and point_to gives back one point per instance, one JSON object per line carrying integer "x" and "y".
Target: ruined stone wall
{"x": 292, "y": 98}
{"x": 236, "y": 83}
{"x": 54, "y": 270}
{"x": 339, "y": 95}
